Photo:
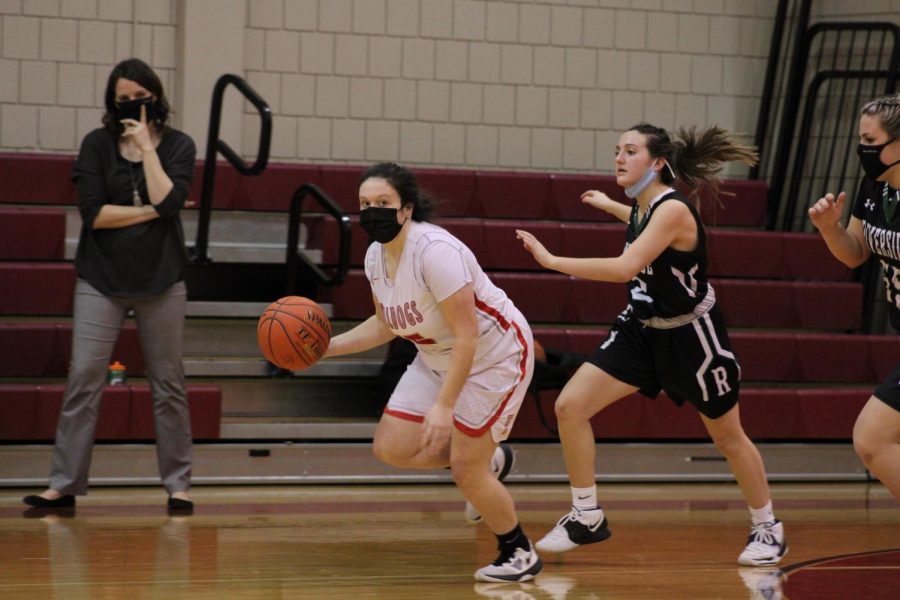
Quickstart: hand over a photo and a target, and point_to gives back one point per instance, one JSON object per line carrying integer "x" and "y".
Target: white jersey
{"x": 433, "y": 266}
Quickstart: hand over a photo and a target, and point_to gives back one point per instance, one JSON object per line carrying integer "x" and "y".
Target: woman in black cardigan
{"x": 133, "y": 177}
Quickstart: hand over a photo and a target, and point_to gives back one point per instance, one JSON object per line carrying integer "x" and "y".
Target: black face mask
{"x": 132, "y": 109}
{"x": 870, "y": 159}
{"x": 380, "y": 223}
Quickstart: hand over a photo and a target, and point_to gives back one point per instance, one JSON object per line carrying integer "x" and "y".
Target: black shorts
{"x": 692, "y": 363}
{"x": 889, "y": 390}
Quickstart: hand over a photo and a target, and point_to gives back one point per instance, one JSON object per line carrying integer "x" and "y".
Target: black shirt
{"x": 876, "y": 206}
{"x": 675, "y": 282}
{"x": 143, "y": 259}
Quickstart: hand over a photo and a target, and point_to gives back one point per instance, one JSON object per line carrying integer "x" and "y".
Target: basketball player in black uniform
{"x": 671, "y": 335}
{"x": 874, "y": 228}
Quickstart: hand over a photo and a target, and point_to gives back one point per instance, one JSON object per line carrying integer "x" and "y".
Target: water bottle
{"x": 117, "y": 374}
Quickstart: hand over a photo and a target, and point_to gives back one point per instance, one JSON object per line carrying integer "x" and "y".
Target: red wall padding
{"x": 44, "y": 349}
{"x": 44, "y": 179}
{"x": 31, "y": 412}
{"x": 32, "y": 233}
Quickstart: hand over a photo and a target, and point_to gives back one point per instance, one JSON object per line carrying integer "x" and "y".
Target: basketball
{"x": 293, "y": 333}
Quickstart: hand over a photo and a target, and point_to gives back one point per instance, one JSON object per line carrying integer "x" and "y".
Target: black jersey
{"x": 675, "y": 282}
{"x": 877, "y": 207}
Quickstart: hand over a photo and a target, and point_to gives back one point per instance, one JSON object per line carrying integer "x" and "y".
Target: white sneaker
{"x": 501, "y": 464}
{"x": 765, "y": 546}
{"x": 521, "y": 565}
{"x": 763, "y": 583}
{"x": 577, "y": 528}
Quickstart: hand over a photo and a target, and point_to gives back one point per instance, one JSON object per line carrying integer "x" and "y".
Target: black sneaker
{"x": 577, "y": 528}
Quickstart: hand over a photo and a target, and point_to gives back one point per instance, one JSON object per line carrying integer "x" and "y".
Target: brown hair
{"x": 136, "y": 70}
{"x": 696, "y": 157}
{"x": 404, "y": 181}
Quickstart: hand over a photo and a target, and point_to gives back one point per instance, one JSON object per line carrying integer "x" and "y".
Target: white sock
{"x": 764, "y": 514}
{"x": 585, "y": 498}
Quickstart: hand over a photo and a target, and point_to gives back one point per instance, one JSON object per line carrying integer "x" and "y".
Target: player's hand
{"x": 436, "y": 428}
{"x": 531, "y": 243}
{"x": 138, "y": 131}
{"x": 826, "y": 212}
{"x": 596, "y": 198}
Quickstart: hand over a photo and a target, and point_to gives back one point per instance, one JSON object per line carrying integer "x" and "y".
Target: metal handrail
{"x": 214, "y": 145}
{"x": 293, "y": 256}
{"x": 789, "y": 110}
{"x": 806, "y": 123}
{"x": 762, "y": 120}
{"x": 786, "y": 166}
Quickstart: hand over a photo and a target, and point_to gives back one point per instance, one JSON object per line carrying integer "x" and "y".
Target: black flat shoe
{"x": 180, "y": 504}
{"x": 67, "y": 501}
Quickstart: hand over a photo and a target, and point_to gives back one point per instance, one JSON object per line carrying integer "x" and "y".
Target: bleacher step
{"x": 298, "y": 462}
{"x": 218, "y": 366}
{"x": 289, "y": 429}
{"x": 234, "y": 236}
{"x": 319, "y": 397}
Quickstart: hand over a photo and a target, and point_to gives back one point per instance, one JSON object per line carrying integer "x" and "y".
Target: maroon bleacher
{"x": 44, "y": 179}
{"x": 767, "y": 414}
{"x": 31, "y": 412}
{"x": 733, "y": 253}
{"x": 773, "y": 357}
{"x": 44, "y": 349}
{"x": 38, "y": 288}
{"x": 28, "y": 233}
{"x": 817, "y": 375}
{"x": 545, "y": 297}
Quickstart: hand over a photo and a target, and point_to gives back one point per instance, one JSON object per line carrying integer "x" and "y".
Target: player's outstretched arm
{"x": 367, "y": 335}
{"x": 671, "y": 223}
{"x": 846, "y": 244}
{"x": 598, "y": 199}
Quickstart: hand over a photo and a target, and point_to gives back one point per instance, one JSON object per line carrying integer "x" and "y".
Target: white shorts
{"x": 490, "y": 399}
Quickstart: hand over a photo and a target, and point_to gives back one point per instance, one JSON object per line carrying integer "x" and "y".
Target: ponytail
{"x": 696, "y": 157}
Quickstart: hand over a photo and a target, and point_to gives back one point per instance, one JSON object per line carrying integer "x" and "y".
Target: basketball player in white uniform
{"x": 671, "y": 336}
{"x": 459, "y": 397}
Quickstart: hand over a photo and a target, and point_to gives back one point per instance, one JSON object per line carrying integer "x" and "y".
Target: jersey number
{"x": 892, "y": 284}
{"x": 640, "y": 292}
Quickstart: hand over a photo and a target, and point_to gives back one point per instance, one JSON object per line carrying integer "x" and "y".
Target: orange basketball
{"x": 293, "y": 332}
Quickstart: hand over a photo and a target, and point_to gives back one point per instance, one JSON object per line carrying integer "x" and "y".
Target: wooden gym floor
{"x": 677, "y": 541}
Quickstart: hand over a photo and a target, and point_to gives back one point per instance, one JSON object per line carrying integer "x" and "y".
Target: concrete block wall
{"x": 495, "y": 84}
{"x": 56, "y": 55}
{"x": 545, "y": 85}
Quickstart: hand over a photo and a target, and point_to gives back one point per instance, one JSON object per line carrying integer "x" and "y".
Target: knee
{"x": 86, "y": 373}
{"x": 865, "y": 448}
{"x": 465, "y": 472}
{"x": 568, "y": 409}
{"x": 732, "y": 442}
{"x": 383, "y": 452}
